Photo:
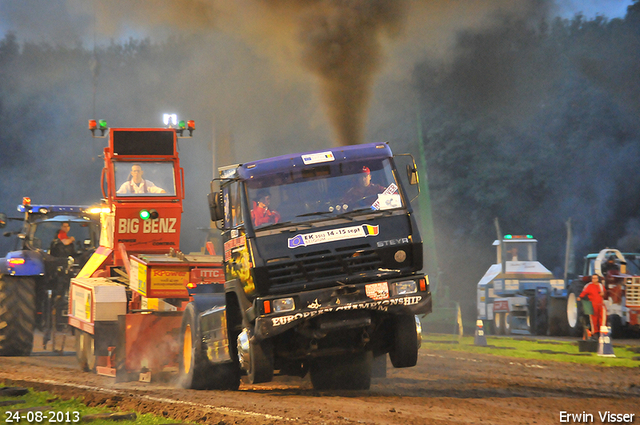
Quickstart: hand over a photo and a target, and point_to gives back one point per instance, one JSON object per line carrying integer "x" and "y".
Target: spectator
{"x": 595, "y": 293}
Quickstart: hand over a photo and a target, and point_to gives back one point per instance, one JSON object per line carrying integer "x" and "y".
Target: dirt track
{"x": 445, "y": 388}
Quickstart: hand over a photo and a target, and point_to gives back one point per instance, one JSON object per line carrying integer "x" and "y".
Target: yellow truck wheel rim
{"x": 186, "y": 349}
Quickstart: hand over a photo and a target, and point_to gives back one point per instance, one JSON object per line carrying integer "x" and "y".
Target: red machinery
{"x": 127, "y": 301}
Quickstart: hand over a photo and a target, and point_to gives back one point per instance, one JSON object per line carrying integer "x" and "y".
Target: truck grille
{"x": 321, "y": 265}
{"x": 633, "y": 292}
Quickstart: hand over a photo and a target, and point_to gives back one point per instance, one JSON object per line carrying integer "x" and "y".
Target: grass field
{"x": 535, "y": 349}
{"x": 44, "y": 407}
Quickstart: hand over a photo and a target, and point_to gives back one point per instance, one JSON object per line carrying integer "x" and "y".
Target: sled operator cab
{"x": 143, "y": 187}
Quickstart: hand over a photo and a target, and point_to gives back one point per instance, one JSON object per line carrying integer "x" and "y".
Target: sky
{"x": 68, "y": 21}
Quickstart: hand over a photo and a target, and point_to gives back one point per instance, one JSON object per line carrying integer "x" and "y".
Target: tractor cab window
{"x": 144, "y": 179}
{"x": 520, "y": 251}
{"x": 324, "y": 191}
{"x": 45, "y": 235}
{"x": 633, "y": 264}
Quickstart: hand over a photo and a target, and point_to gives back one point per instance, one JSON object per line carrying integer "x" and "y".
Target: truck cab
{"x": 322, "y": 258}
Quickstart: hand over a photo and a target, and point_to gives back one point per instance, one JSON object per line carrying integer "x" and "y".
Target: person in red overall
{"x": 595, "y": 293}
{"x": 261, "y": 214}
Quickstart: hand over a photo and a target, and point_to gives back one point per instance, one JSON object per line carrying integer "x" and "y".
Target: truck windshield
{"x": 145, "y": 179}
{"x": 325, "y": 190}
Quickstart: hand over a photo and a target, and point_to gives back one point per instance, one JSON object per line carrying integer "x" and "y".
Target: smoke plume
{"x": 342, "y": 46}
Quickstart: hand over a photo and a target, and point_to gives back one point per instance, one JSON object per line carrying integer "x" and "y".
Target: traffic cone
{"x": 480, "y": 338}
{"x": 605, "y": 349}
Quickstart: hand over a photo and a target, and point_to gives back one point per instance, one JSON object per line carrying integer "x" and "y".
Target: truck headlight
{"x": 283, "y": 304}
{"x": 406, "y": 287}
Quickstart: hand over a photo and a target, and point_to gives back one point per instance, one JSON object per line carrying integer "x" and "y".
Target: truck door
{"x": 237, "y": 255}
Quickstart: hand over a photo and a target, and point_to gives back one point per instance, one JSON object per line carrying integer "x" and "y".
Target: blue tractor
{"x": 35, "y": 275}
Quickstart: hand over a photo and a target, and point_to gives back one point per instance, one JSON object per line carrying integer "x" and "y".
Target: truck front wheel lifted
{"x": 406, "y": 343}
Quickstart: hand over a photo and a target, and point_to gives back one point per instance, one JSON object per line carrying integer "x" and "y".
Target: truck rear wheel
{"x": 348, "y": 372}
{"x": 17, "y": 315}
{"x": 195, "y": 371}
{"x": 379, "y": 368}
{"x": 405, "y": 344}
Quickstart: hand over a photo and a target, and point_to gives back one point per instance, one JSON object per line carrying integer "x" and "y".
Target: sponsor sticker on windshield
{"x": 316, "y": 158}
{"x": 385, "y": 202}
{"x": 325, "y": 236}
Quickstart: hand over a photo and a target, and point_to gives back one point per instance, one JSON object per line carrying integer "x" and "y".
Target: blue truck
{"x": 322, "y": 258}
{"x": 35, "y": 274}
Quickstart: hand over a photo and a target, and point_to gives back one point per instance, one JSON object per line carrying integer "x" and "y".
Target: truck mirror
{"x": 408, "y": 174}
{"x": 215, "y": 206}
{"x": 3, "y": 220}
{"x": 412, "y": 173}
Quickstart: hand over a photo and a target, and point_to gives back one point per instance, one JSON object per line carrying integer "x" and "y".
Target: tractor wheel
{"x": 195, "y": 371}
{"x": 17, "y": 315}
{"x": 558, "y": 324}
{"x": 405, "y": 346}
{"x": 348, "y": 372}
{"x": 574, "y": 309}
{"x": 498, "y": 323}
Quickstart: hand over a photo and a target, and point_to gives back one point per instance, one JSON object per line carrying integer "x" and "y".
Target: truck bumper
{"x": 379, "y": 297}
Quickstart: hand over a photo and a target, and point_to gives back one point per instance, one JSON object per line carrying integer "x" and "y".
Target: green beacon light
{"x": 182, "y": 125}
{"x": 102, "y": 124}
{"x": 508, "y": 236}
{"x": 145, "y": 214}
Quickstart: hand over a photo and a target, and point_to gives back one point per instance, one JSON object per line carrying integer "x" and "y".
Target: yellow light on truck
{"x": 98, "y": 210}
